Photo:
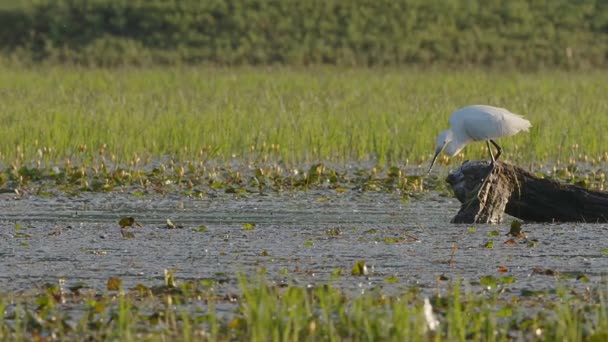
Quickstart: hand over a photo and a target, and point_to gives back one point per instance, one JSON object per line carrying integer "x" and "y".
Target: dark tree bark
{"x": 486, "y": 194}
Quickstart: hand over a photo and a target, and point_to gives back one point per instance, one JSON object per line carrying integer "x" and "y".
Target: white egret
{"x": 478, "y": 123}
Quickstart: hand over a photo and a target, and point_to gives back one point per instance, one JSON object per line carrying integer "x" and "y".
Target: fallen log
{"x": 486, "y": 194}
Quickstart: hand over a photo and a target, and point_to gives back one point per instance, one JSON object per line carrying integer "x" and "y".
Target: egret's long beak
{"x": 435, "y": 158}
{"x": 432, "y": 163}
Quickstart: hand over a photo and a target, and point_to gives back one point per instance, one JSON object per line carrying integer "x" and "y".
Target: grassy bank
{"x": 391, "y": 116}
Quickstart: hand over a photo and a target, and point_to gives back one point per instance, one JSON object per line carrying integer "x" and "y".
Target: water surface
{"x": 299, "y": 237}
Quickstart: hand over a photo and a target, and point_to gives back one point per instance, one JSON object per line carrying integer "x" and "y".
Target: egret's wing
{"x": 486, "y": 122}
{"x": 482, "y": 127}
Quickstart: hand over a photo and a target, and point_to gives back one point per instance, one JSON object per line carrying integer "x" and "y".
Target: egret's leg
{"x": 498, "y": 148}
{"x": 491, "y": 154}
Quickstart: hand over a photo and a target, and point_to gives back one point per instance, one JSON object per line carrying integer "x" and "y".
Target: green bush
{"x": 517, "y": 33}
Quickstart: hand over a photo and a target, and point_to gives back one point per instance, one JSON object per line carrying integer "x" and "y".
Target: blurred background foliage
{"x": 524, "y": 34}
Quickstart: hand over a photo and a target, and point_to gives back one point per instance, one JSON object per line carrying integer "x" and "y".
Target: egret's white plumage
{"x": 478, "y": 123}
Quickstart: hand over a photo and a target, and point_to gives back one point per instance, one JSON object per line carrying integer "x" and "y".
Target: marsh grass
{"x": 265, "y": 311}
{"x": 388, "y": 116}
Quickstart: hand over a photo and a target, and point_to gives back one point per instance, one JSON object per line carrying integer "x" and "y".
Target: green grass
{"x": 263, "y": 311}
{"x": 389, "y": 116}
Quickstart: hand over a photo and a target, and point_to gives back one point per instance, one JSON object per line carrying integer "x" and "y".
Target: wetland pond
{"x": 302, "y": 237}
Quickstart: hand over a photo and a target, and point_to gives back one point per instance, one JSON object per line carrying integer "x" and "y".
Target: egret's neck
{"x": 454, "y": 146}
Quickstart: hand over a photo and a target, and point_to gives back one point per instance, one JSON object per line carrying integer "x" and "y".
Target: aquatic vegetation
{"x": 237, "y": 179}
{"x": 249, "y": 226}
{"x": 192, "y": 310}
{"x": 359, "y": 268}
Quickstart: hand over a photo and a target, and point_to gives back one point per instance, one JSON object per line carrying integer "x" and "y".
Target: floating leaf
{"x": 264, "y": 253}
{"x": 359, "y": 268}
{"x": 370, "y": 231}
{"x": 308, "y": 243}
{"x": 391, "y": 280}
{"x": 494, "y": 233}
{"x": 249, "y": 226}
{"x": 502, "y": 269}
{"x": 389, "y": 240}
{"x": 114, "y": 284}
{"x": 506, "y": 280}
{"x": 605, "y": 251}
{"x": 202, "y": 228}
{"x": 334, "y": 231}
{"x": 582, "y": 278}
{"x": 96, "y": 306}
{"x": 22, "y": 235}
{"x": 489, "y": 281}
{"x": 515, "y": 228}
{"x": 207, "y": 282}
{"x": 505, "y": 312}
{"x": 542, "y": 271}
{"x": 217, "y": 185}
{"x": 128, "y": 221}
{"x": 489, "y": 244}
{"x": 44, "y": 302}
{"x": 530, "y": 293}
{"x": 471, "y": 229}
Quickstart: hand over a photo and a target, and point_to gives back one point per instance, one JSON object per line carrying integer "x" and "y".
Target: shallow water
{"x": 78, "y": 239}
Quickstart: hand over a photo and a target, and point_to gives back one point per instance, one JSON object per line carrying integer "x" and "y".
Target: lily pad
{"x": 113, "y": 284}
{"x": 359, "y": 268}
{"x": 515, "y": 228}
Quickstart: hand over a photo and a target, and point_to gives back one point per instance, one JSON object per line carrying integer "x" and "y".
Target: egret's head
{"x": 443, "y": 140}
